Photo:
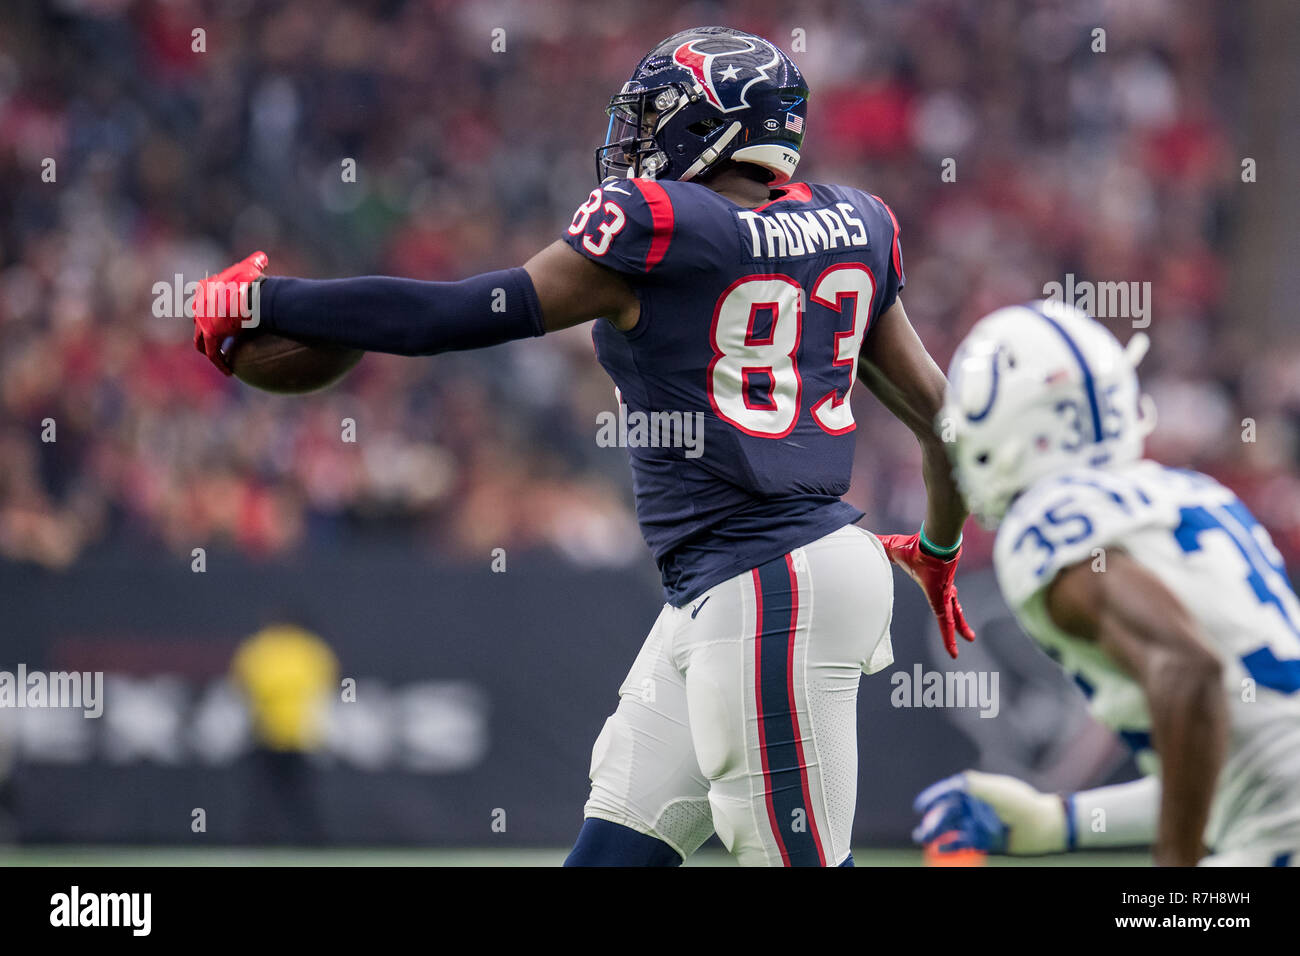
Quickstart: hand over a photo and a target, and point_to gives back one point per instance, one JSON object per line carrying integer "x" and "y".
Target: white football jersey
{"x": 1205, "y": 546}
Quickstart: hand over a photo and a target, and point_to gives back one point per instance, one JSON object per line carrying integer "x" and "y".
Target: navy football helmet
{"x": 701, "y": 97}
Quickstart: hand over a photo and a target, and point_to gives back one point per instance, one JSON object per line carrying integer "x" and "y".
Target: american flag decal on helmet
{"x": 793, "y": 122}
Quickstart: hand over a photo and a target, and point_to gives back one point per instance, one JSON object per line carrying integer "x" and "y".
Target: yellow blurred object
{"x": 287, "y": 673}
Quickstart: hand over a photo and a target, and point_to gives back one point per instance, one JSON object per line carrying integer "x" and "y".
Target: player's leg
{"x": 772, "y": 662}
{"x": 601, "y": 843}
{"x": 649, "y": 803}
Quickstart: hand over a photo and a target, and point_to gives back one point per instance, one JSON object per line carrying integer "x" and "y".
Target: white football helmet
{"x": 1036, "y": 389}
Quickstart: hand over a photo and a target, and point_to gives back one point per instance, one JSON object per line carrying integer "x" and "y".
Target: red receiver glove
{"x": 226, "y": 295}
{"x": 935, "y": 577}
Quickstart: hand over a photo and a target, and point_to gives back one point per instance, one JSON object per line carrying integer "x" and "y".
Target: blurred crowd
{"x": 472, "y": 127}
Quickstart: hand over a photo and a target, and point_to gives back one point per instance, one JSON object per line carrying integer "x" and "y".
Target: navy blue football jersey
{"x": 750, "y": 326}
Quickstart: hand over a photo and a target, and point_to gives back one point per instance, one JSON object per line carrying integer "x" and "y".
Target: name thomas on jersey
{"x": 781, "y": 235}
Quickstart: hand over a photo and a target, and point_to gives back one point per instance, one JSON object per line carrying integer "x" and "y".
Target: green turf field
{"x": 169, "y": 856}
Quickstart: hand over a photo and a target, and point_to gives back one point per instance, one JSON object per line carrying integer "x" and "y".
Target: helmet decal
{"x": 994, "y": 361}
{"x": 725, "y": 83}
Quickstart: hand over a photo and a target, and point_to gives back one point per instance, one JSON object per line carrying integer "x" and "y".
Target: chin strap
{"x": 710, "y": 155}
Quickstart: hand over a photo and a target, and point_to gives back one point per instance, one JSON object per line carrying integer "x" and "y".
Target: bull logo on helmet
{"x": 726, "y": 74}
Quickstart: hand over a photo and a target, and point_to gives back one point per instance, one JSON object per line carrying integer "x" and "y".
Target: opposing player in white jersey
{"x": 1155, "y": 588}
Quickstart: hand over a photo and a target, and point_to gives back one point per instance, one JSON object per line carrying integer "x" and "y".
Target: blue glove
{"x": 992, "y": 813}
{"x": 955, "y": 820}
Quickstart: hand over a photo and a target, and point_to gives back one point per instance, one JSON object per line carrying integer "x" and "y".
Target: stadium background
{"x": 480, "y": 693}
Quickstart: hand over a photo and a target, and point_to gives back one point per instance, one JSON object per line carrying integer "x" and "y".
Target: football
{"x": 286, "y": 366}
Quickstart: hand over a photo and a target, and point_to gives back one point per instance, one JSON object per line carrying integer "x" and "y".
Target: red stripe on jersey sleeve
{"x": 898, "y": 265}
{"x": 661, "y": 215}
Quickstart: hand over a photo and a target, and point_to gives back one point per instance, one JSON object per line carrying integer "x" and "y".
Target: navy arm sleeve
{"x": 404, "y": 316}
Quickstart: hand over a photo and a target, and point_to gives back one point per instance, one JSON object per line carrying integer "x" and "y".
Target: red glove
{"x": 935, "y": 577}
{"x": 227, "y": 294}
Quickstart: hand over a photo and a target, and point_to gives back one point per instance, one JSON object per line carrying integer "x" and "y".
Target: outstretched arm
{"x": 1148, "y": 633}
{"x": 555, "y": 289}
{"x": 572, "y": 289}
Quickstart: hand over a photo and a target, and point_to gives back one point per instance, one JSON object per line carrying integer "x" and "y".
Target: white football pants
{"x": 739, "y": 715}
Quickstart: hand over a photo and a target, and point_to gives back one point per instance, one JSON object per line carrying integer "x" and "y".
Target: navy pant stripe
{"x": 784, "y": 773}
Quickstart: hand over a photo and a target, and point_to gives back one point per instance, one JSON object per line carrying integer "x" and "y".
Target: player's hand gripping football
{"x": 221, "y": 304}
{"x": 935, "y": 576}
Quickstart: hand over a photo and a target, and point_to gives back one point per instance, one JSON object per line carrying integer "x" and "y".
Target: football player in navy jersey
{"x": 722, "y": 291}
